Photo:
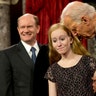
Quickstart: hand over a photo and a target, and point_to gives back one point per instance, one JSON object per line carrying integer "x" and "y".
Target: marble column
{"x": 23, "y": 4}
{"x": 4, "y": 24}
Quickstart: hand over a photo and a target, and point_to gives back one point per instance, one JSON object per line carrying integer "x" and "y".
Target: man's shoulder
{"x": 43, "y": 47}
{"x": 10, "y": 48}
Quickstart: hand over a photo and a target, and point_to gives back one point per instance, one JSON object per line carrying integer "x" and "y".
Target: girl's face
{"x": 61, "y": 41}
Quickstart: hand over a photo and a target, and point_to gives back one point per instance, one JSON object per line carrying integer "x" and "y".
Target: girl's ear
{"x": 71, "y": 40}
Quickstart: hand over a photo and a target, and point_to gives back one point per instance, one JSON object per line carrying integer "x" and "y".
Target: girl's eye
{"x": 54, "y": 40}
{"x": 62, "y": 39}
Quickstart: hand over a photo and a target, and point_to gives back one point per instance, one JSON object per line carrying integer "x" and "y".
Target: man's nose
{"x": 26, "y": 29}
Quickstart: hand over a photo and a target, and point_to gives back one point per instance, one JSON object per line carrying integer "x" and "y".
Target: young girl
{"x": 72, "y": 67}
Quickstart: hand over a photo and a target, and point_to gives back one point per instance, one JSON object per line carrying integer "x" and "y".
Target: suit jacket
{"x": 19, "y": 76}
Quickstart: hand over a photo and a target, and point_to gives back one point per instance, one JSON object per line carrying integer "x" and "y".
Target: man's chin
{"x": 27, "y": 41}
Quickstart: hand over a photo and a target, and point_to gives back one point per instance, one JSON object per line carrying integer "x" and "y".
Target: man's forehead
{"x": 67, "y": 20}
{"x": 26, "y": 16}
{"x": 69, "y": 23}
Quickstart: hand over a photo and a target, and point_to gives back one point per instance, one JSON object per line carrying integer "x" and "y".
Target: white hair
{"x": 76, "y": 10}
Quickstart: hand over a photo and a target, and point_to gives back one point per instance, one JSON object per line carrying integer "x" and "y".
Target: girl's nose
{"x": 59, "y": 43}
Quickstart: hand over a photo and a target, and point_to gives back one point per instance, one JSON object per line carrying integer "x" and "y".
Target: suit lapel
{"x": 24, "y": 55}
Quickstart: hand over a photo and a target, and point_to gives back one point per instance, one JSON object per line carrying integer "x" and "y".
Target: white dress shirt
{"x": 28, "y": 47}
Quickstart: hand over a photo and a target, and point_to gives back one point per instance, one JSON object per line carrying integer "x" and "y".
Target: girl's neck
{"x": 68, "y": 55}
{"x": 69, "y": 60}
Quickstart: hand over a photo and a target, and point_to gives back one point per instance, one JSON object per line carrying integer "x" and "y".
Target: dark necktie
{"x": 33, "y": 54}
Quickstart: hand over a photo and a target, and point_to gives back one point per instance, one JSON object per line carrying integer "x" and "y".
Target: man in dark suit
{"x": 19, "y": 75}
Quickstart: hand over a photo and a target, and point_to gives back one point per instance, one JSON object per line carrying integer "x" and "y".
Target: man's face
{"x": 27, "y": 29}
{"x": 87, "y": 27}
{"x": 84, "y": 29}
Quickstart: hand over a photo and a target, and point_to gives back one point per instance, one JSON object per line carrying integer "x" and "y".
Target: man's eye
{"x": 22, "y": 27}
{"x": 29, "y": 26}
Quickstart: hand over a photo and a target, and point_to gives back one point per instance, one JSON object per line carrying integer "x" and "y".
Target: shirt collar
{"x": 28, "y": 47}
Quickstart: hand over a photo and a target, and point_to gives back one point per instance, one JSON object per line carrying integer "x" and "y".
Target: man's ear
{"x": 85, "y": 20}
{"x": 38, "y": 29}
{"x": 17, "y": 29}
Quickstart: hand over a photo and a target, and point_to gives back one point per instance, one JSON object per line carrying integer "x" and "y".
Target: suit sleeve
{"x": 5, "y": 75}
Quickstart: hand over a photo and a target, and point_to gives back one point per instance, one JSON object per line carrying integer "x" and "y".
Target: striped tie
{"x": 33, "y": 54}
